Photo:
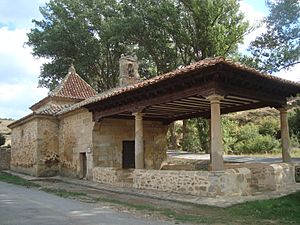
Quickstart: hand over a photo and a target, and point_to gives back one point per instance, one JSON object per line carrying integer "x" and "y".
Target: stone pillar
{"x": 285, "y": 137}
{"x": 139, "y": 141}
{"x": 216, "y": 144}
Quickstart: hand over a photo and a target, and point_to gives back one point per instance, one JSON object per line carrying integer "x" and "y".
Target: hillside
{"x": 5, "y": 130}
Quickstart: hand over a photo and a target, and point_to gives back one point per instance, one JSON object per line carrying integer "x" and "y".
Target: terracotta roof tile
{"x": 52, "y": 109}
{"x": 73, "y": 86}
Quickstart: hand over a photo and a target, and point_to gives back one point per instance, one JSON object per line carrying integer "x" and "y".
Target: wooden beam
{"x": 206, "y": 114}
{"x": 260, "y": 95}
{"x": 153, "y": 101}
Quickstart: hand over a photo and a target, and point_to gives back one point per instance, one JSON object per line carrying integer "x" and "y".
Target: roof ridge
{"x": 73, "y": 86}
{"x": 60, "y": 85}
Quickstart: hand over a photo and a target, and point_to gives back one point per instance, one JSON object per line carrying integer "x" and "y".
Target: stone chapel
{"x": 119, "y": 136}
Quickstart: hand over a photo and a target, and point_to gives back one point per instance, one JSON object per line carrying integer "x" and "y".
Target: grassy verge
{"x": 284, "y": 210}
{"x": 63, "y": 193}
{"x": 8, "y": 178}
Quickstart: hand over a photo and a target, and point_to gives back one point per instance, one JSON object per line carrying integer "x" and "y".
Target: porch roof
{"x": 182, "y": 93}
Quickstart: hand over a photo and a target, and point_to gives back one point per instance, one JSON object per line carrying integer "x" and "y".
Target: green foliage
{"x": 230, "y": 131}
{"x": 197, "y": 138}
{"x": 294, "y": 123}
{"x": 268, "y": 126}
{"x": 2, "y": 139}
{"x": 164, "y": 34}
{"x": 251, "y": 137}
{"x": 279, "y": 47}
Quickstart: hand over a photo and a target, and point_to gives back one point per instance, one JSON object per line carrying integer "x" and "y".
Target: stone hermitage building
{"x": 118, "y": 137}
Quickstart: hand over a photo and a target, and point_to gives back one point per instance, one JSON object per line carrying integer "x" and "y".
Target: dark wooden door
{"x": 128, "y": 158}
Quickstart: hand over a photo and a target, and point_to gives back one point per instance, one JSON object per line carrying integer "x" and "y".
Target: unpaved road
{"x": 21, "y": 205}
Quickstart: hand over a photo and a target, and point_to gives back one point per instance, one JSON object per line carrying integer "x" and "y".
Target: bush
{"x": 2, "y": 140}
{"x": 250, "y": 138}
{"x": 294, "y": 123}
{"x": 268, "y": 126}
{"x": 256, "y": 144}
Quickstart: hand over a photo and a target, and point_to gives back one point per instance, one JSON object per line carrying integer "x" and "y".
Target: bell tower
{"x": 128, "y": 70}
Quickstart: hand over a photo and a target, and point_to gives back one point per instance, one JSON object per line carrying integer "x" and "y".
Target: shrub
{"x": 268, "y": 126}
{"x": 248, "y": 139}
{"x": 294, "y": 123}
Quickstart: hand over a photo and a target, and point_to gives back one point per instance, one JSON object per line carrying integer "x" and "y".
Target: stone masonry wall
{"x": 270, "y": 176}
{"x": 24, "y": 148}
{"x": 201, "y": 183}
{"x": 47, "y": 149}
{"x": 105, "y": 175}
{"x": 4, "y": 158}
{"x": 108, "y": 137}
{"x": 75, "y": 137}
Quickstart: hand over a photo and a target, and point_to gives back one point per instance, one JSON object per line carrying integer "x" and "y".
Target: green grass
{"x": 284, "y": 210}
{"x": 63, "y": 193}
{"x": 8, "y": 178}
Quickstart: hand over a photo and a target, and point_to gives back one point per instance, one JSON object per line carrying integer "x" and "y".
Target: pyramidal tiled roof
{"x": 73, "y": 86}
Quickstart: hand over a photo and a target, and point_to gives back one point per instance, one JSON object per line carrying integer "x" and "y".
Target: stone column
{"x": 216, "y": 145}
{"x": 139, "y": 141}
{"x": 285, "y": 137}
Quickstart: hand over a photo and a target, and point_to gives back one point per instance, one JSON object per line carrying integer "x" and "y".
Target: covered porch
{"x": 205, "y": 89}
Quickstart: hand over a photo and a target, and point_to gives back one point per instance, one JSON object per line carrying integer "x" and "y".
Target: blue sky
{"x": 19, "y": 70}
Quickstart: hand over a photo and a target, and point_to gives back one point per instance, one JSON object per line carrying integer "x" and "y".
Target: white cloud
{"x": 15, "y": 57}
{"x": 255, "y": 19}
{"x": 19, "y": 72}
{"x": 292, "y": 74}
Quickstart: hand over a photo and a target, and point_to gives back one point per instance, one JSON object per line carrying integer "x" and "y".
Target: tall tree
{"x": 279, "y": 47}
{"x": 164, "y": 34}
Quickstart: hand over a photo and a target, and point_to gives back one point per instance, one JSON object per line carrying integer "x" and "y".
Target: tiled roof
{"x": 52, "y": 109}
{"x": 73, "y": 86}
{"x": 179, "y": 72}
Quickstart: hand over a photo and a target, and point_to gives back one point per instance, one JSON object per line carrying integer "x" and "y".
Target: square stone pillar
{"x": 139, "y": 141}
{"x": 285, "y": 136}
{"x": 216, "y": 145}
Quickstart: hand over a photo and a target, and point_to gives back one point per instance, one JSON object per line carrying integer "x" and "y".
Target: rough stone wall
{"x": 106, "y": 175}
{"x": 270, "y": 176}
{"x": 201, "y": 183}
{"x": 47, "y": 147}
{"x": 75, "y": 137}
{"x": 24, "y": 148}
{"x": 108, "y": 137}
{"x": 4, "y": 158}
